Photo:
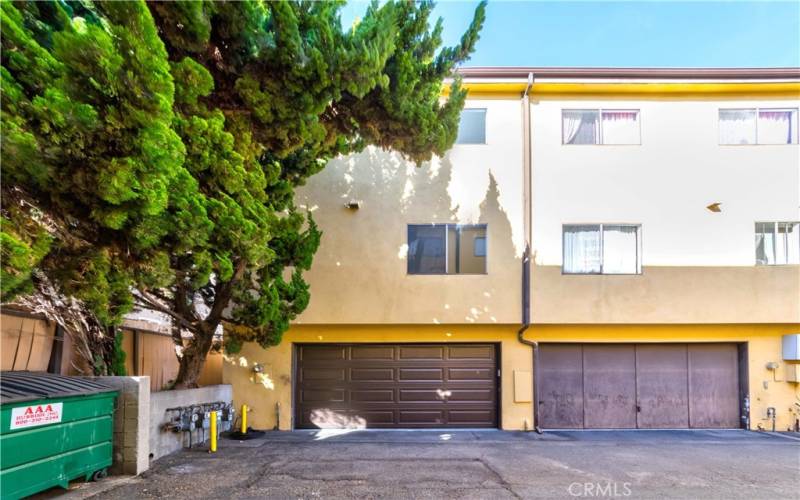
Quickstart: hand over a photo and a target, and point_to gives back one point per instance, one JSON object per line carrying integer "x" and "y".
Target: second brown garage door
{"x": 644, "y": 386}
{"x": 396, "y": 385}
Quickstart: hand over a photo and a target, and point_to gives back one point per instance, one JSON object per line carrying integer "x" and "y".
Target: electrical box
{"x": 523, "y": 386}
{"x": 791, "y": 347}
{"x": 793, "y": 372}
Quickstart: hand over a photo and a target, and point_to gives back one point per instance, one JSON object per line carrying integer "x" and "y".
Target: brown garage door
{"x": 396, "y": 385}
{"x": 645, "y": 386}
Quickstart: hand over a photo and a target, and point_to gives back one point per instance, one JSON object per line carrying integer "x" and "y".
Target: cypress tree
{"x": 150, "y": 151}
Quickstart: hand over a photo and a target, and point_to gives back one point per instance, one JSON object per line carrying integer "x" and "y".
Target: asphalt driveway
{"x": 477, "y": 464}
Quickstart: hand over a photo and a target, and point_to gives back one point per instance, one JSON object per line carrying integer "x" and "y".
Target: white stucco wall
{"x": 664, "y": 184}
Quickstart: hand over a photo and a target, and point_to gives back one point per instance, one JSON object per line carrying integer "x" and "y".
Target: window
{"x": 777, "y": 126}
{"x": 472, "y": 127}
{"x": 446, "y": 249}
{"x": 602, "y": 249}
{"x": 479, "y": 246}
{"x": 777, "y": 243}
{"x": 600, "y": 126}
{"x": 757, "y": 126}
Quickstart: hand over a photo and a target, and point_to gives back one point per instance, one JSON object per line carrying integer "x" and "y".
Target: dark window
{"x": 447, "y": 249}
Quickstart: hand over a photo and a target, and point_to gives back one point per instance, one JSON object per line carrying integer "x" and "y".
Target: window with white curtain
{"x": 777, "y": 243}
{"x": 601, "y": 249}
{"x": 472, "y": 127}
{"x": 737, "y": 126}
{"x": 757, "y": 126}
{"x": 600, "y": 126}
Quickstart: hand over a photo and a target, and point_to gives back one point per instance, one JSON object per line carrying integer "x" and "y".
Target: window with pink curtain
{"x": 596, "y": 126}
{"x": 620, "y": 127}
{"x": 777, "y": 126}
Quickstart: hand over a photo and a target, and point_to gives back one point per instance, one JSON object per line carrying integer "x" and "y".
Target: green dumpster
{"x": 53, "y": 429}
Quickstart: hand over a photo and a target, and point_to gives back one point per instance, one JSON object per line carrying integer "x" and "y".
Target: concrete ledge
{"x": 164, "y": 442}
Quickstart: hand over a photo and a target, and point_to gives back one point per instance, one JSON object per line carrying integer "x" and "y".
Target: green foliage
{"x": 20, "y": 254}
{"x": 118, "y": 359}
{"x": 165, "y": 140}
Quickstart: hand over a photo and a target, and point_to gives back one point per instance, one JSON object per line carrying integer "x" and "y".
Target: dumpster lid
{"x": 19, "y": 386}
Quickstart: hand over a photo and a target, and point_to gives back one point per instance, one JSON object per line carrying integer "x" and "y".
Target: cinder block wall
{"x": 164, "y": 441}
{"x": 131, "y": 445}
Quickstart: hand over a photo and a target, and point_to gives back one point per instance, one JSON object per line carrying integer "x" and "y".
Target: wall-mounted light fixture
{"x": 353, "y": 204}
{"x": 715, "y": 207}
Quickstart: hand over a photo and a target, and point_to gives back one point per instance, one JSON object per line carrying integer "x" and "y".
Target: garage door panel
{"x": 324, "y": 374}
{"x": 328, "y": 353}
{"x": 662, "y": 386}
{"x": 713, "y": 386}
{"x": 471, "y": 352}
{"x": 397, "y": 386}
{"x": 609, "y": 382}
{"x": 422, "y": 374}
{"x": 380, "y": 353}
{"x": 323, "y": 396}
{"x": 470, "y": 417}
{"x": 340, "y": 418}
{"x": 371, "y": 374}
{"x": 421, "y": 352}
{"x": 375, "y": 395}
{"x": 470, "y": 395}
{"x": 470, "y": 374}
{"x": 560, "y": 386}
{"x": 430, "y": 417}
{"x": 419, "y": 395}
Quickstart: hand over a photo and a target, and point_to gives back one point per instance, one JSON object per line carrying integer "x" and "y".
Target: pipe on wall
{"x": 526, "y": 256}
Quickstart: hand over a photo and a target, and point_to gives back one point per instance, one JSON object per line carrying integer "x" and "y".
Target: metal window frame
{"x": 601, "y": 226}
{"x": 719, "y": 121}
{"x": 795, "y": 137}
{"x": 485, "y": 128}
{"x": 447, "y": 227}
{"x": 775, "y": 243}
{"x": 600, "y": 137}
{"x": 758, "y": 110}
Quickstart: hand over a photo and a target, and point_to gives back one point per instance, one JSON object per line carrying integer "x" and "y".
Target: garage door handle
{"x": 638, "y": 409}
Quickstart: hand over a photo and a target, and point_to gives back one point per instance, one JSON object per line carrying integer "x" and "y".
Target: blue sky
{"x": 657, "y": 34}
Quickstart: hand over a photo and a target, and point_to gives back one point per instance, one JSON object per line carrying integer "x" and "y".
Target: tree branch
{"x": 148, "y": 303}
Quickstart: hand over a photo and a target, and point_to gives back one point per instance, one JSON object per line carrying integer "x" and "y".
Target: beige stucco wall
{"x": 679, "y": 294}
{"x": 359, "y": 273}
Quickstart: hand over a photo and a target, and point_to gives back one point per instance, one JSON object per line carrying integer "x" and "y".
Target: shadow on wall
{"x": 359, "y": 273}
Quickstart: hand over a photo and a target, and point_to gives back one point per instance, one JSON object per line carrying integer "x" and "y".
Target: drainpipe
{"x": 526, "y": 256}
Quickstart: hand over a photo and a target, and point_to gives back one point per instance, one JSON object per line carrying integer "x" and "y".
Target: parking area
{"x": 476, "y": 464}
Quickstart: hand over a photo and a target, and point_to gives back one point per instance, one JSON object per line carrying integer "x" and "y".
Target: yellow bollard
{"x": 244, "y": 419}
{"x": 213, "y": 446}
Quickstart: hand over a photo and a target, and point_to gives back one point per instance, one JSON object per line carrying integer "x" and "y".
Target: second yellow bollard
{"x": 213, "y": 429}
{"x": 244, "y": 419}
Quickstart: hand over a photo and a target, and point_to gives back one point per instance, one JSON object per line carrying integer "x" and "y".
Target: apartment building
{"x": 602, "y": 248}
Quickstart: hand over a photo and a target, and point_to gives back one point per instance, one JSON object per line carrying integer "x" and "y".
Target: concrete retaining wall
{"x": 164, "y": 442}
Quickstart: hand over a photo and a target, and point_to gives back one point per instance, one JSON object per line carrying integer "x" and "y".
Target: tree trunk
{"x": 193, "y": 358}
{"x": 194, "y": 354}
